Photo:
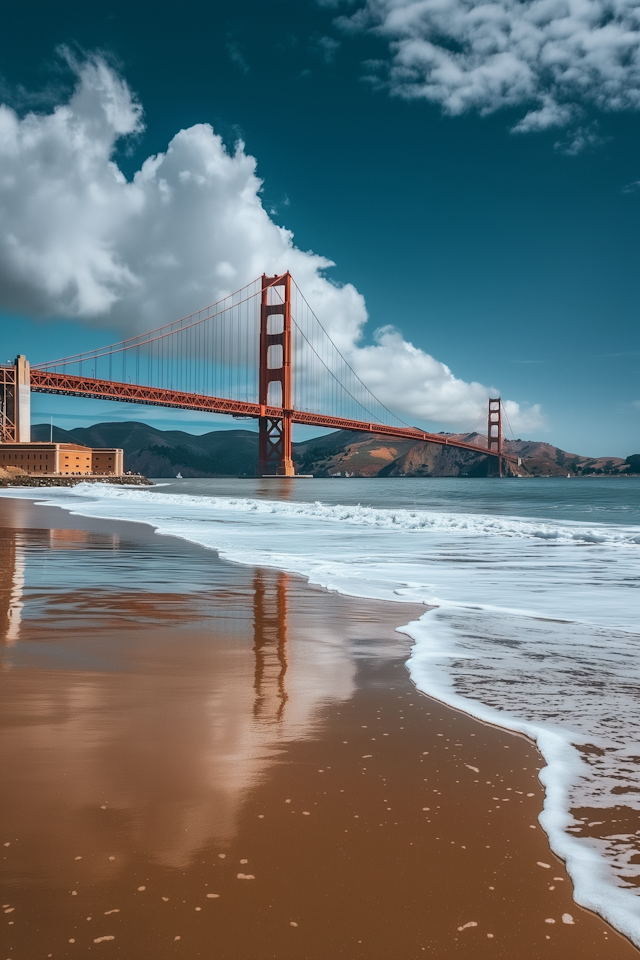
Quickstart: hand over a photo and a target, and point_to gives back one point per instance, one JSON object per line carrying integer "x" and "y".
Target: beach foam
{"x": 407, "y": 520}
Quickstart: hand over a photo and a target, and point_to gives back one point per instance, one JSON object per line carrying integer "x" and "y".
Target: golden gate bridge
{"x": 258, "y": 353}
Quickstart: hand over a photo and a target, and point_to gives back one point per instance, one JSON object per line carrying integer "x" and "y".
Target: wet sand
{"x": 204, "y": 760}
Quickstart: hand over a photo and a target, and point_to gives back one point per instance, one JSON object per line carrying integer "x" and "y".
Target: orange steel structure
{"x": 274, "y": 450}
{"x": 15, "y": 402}
{"x": 274, "y": 409}
{"x": 67, "y": 385}
{"x": 494, "y": 430}
{"x": 8, "y": 431}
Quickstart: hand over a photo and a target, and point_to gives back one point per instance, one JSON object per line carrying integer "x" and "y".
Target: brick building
{"x": 62, "y": 459}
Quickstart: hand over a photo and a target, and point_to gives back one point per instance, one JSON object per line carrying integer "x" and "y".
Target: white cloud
{"x": 552, "y": 57}
{"x": 414, "y": 384}
{"x": 79, "y": 240}
{"x": 522, "y": 419}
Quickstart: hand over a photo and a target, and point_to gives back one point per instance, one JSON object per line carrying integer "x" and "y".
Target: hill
{"x": 164, "y": 453}
{"x": 355, "y": 454}
{"x": 224, "y": 453}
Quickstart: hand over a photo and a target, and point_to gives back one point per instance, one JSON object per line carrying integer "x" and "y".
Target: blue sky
{"x": 510, "y": 257}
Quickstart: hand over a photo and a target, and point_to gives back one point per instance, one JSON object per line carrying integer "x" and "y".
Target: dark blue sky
{"x": 503, "y": 255}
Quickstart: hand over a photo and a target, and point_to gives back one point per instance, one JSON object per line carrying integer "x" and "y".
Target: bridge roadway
{"x": 74, "y": 386}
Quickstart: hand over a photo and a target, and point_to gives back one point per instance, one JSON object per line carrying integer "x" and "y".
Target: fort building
{"x": 62, "y": 459}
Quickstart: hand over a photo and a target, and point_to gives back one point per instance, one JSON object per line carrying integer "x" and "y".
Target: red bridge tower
{"x": 494, "y": 430}
{"x": 274, "y": 452}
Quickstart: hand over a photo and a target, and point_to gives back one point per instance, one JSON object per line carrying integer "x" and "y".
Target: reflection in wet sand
{"x": 149, "y": 713}
{"x": 68, "y": 539}
{"x": 12, "y": 564}
{"x": 270, "y": 644}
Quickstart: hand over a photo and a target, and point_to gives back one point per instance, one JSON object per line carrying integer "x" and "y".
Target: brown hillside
{"x": 360, "y": 456}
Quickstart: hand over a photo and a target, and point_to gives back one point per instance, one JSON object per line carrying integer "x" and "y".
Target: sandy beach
{"x": 208, "y": 759}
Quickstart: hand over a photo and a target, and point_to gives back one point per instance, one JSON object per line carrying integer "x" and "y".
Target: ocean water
{"x": 534, "y": 621}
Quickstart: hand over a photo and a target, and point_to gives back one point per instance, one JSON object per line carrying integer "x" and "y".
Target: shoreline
{"x": 377, "y": 665}
{"x": 561, "y": 762}
{"x": 65, "y": 480}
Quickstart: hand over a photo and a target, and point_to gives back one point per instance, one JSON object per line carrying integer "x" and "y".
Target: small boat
{"x": 178, "y": 475}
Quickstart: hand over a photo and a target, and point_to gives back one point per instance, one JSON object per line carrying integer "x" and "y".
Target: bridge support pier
{"x": 494, "y": 431}
{"x": 15, "y": 402}
{"x": 274, "y": 451}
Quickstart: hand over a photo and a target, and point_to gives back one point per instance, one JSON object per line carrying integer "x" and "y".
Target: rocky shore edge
{"x": 14, "y": 479}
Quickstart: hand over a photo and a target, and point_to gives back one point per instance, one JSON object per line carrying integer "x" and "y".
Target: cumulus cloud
{"x": 554, "y": 58}
{"x": 428, "y": 386}
{"x": 77, "y": 239}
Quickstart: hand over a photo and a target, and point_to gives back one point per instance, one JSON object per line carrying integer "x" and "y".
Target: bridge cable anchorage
{"x": 260, "y": 352}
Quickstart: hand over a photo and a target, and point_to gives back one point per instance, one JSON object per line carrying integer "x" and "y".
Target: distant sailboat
{"x": 178, "y": 475}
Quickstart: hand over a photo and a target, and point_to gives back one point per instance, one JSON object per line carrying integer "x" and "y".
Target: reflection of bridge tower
{"x": 270, "y": 644}
{"x": 12, "y": 563}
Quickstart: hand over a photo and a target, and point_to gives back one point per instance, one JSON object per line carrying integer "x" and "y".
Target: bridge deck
{"x": 68, "y": 385}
